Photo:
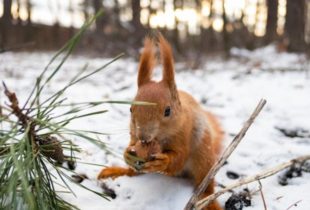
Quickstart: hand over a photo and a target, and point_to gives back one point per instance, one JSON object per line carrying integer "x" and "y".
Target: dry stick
{"x": 267, "y": 173}
{"x": 191, "y": 203}
{"x": 262, "y": 194}
{"x": 294, "y": 204}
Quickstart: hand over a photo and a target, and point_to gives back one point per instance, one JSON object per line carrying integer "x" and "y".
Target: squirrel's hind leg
{"x": 114, "y": 172}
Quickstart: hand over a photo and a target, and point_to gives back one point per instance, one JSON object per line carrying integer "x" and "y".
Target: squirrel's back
{"x": 204, "y": 122}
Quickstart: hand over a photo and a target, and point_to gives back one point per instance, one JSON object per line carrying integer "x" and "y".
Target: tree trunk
{"x": 295, "y": 25}
{"x": 136, "y": 9}
{"x": 212, "y": 41}
{"x": 71, "y": 11}
{"x": 97, "y": 4}
{"x": 6, "y": 22}
{"x": 85, "y": 9}
{"x": 139, "y": 28}
{"x": 272, "y": 18}
{"x": 116, "y": 12}
{"x": 18, "y": 12}
{"x": 29, "y": 30}
{"x": 225, "y": 33}
{"x": 176, "y": 35}
{"x": 7, "y": 15}
{"x": 29, "y": 12}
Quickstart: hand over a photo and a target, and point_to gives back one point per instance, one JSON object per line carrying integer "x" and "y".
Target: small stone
{"x": 108, "y": 192}
{"x": 238, "y": 201}
{"x": 232, "y": 175}
{"x": 79, "y": 178}
{"x": 71, "y": 164}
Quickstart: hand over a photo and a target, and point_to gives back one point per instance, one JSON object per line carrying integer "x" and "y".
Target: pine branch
{"x": 25, "y": 180}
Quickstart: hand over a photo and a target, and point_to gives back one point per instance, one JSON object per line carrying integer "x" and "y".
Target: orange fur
{"x": 189, "y": 137}
{"x": 167, "y": 60}
{"x": 218, "y": 133}
{"x": 147, "y": 62}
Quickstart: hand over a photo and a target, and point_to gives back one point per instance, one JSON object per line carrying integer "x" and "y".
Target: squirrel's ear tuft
{"x": 147, "y": 62}
{"x": 167, "y": 59}
{"x": 167, "y": 62}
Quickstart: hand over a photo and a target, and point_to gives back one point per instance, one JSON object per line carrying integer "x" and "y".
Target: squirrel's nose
{"x": 143, "y": 136}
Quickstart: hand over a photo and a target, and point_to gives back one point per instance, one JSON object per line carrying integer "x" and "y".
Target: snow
{"x": 231, "y": 89}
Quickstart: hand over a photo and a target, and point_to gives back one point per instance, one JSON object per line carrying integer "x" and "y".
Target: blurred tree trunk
{"x": 18, "y": 12}
{"x": 56, "y": 27}
{"x": 85, "y": 9}
{"x": 6, "y": 22}
{"x": 212, "y": 42}
{"x": 195, "y": 37}
{"x": 225, "y": 33}
{"x": 29, "y": 29}
{"x": 29, "y": 7}
{"x": 117, "y": 20}
{"x": 7, "y": 15}
{"x": 164, "y": 30}
{"x": 138, "y": 27}
{"x": 295, "y": 25}
{"x": 245, "y": 33}
{"x": 71, "y": 11}
{"x": 97, "y": 4}
{"x": 136, "y": 9}
{"x": 272, "y": 18}
{"x": 176, "y": 36}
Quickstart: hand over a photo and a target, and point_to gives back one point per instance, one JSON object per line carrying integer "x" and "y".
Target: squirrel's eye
{"x": 130, "y": 110}
{"x": 167, "y": 111}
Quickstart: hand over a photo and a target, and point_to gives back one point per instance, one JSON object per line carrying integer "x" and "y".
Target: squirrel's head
{"x": 158, "y": 121}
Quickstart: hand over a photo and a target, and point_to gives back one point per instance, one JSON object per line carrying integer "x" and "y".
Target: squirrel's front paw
{"x": 158, "y": 164}
{"x": 114, "y": 172}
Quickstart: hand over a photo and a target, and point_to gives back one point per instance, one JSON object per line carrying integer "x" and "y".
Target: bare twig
{"x": 262, "y": 194}
{"x": 267, "y": 173}
{"x": 278, "y": 198}
{"x": 294, "y": 204}
{"x": 191, "y": 204}
{"x": 1, "y": 114}
{"x": 14, "y": 106}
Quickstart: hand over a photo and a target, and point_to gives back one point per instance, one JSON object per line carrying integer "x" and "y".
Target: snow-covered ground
{"x": 230, "y": 89}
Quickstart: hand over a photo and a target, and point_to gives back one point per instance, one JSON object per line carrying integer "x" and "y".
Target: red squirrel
{"x": 190, "y": 138}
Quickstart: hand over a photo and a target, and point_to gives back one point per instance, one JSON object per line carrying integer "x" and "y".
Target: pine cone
{"x": 51, "y": 147}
